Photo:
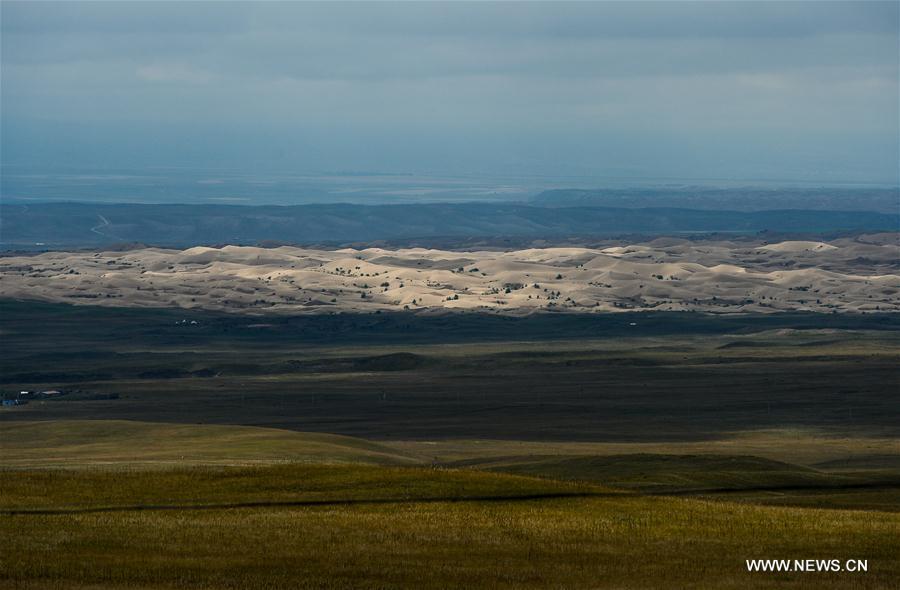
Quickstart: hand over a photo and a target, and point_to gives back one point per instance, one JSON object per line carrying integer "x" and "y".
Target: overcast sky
{"x": 777, "y": 90}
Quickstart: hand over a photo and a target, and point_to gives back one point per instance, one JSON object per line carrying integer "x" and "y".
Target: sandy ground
{"x": 845, "y": 275}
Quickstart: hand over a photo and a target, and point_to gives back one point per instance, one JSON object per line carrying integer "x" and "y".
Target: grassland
{"x": 563, "y": 379}
{"x": 73, "y": 443}
{"x": 382, "y": 452}
{"x": 378, "y": 527}
{"x": 98, "y": 504}
{"x": 375, "y": 527}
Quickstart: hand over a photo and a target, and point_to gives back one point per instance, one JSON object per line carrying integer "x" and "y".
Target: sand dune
{"x": 846, "y": 275}
{"x": 798, "y": 246}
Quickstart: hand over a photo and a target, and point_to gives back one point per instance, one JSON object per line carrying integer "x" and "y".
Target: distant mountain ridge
{"x": 83, "y": 224}
{"x": 881, "y": 200}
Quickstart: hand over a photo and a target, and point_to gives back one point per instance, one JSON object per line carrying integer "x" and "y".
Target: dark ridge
{"x": 883, "y": 200}
{"x": 56, "y": 225}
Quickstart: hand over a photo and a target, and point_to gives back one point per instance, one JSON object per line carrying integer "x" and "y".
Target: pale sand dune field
{"x": 860, "y": 274}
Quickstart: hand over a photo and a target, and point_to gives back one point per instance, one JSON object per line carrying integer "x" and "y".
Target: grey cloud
{"x": 546, "y": 86}
{"x": 492, "y": 19}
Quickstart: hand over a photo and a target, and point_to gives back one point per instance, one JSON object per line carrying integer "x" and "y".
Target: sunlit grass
{"x": 610, "y": 540}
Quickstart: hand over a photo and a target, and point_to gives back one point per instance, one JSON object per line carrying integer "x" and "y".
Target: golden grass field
{"x": 114, "y": 505}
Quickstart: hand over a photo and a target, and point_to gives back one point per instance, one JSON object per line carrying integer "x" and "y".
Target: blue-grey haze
{"x": 802, "y": 91}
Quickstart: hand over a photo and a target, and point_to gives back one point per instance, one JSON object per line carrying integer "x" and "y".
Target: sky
{"x": 733, "y": 90}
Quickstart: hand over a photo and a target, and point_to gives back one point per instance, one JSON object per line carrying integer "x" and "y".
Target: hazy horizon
{"x": 803, "y": 92}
